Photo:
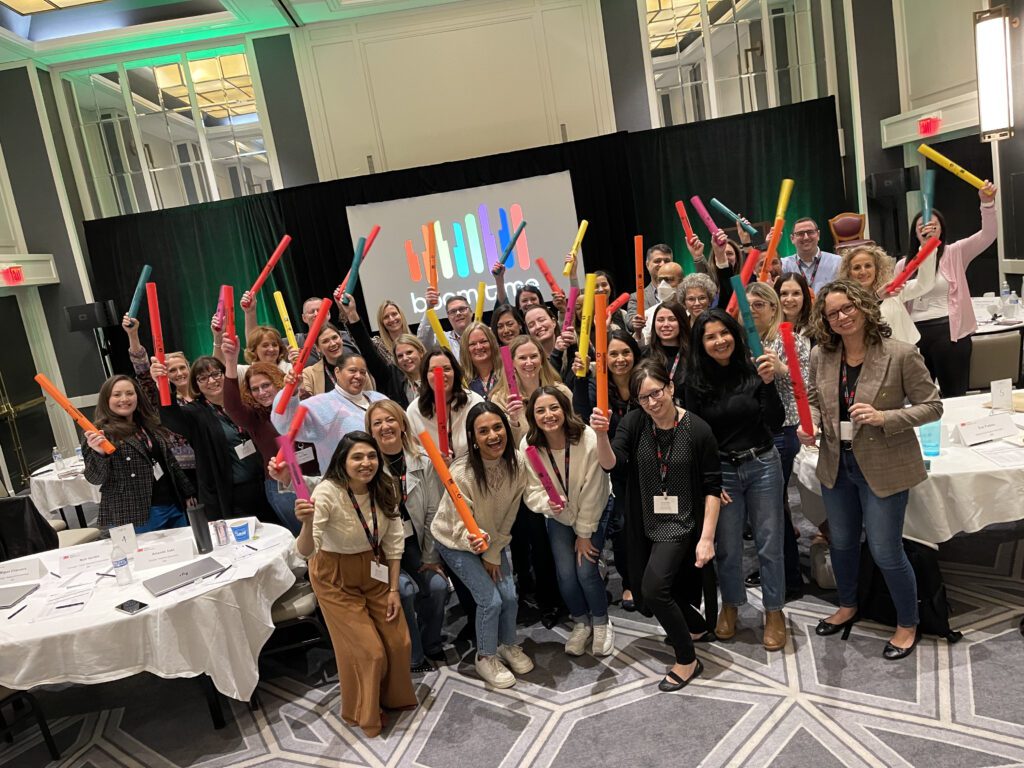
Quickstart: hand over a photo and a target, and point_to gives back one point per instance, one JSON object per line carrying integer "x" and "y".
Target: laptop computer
{"x": 11, "y": 596}
{"x": 183, "y": 575}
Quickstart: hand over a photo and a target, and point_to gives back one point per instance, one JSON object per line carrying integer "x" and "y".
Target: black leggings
{"x": 668, "y": 587}
{"x": 948, "y": 361}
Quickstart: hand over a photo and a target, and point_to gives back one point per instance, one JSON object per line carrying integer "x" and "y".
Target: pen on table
{"x": 101, "y": 575}
{"x": 224, "y": 571}
{"x": 250, "y": 546}
{"x": 69, "y": 605}
{"x": 17, "y": 612}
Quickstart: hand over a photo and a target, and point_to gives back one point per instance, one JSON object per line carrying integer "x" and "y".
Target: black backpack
{"x": 875, "y": 603}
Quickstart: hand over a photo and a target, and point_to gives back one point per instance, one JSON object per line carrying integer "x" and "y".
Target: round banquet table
{"x": 214, "y": 627}
{"x": 964, "y": 492}
{"x": 52, "y": 492}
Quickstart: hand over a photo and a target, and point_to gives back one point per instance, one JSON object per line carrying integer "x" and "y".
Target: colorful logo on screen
{"x": 474, "y": 247}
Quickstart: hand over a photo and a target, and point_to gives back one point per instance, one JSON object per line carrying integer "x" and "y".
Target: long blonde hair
{"x": 883, "y": 264}
{"x": 547, "y": 376}
{"x": 409, "y": 442}
{"x": 385, "y": 334}
{"x": 467, "y": 360}
{"x": 767, "y": 293}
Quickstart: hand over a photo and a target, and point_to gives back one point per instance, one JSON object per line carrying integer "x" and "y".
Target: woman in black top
{"x": 398, "y": 380}
{"x": 228, "y": 466}
{"x": 141, "y": 482}
{"x": 623, "y": 356}
{"x": 670, "y": 329}
{"x": 742, "y": 406}
{"x": 675, "y": 487}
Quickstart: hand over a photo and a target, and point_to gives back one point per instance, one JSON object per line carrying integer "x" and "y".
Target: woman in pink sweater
{"x": 944, "y": 316}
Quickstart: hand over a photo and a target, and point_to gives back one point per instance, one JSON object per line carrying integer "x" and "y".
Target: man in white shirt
{"x": 657, "y": 256}
{"x": 817, "y": 266}
{"x": 459, "y": 316}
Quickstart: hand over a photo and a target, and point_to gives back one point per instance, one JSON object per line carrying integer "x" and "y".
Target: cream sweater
{"x": 421, "y": 423}
{"x": 494, "y": 508}
{"x": 589, "y": 486}
{"x": 337, "y": 529}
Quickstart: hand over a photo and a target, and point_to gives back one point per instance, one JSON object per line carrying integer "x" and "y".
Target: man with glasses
{"x": 310, "y": 308}
{"x": 459, "y": 316}
{"x": 657, "y": 257}
{"x": 817, "y": 266}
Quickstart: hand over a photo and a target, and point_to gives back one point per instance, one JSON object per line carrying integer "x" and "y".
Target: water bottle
{"x": 1004, "y": 292}
{"x": 122, "y": 571}
{"x": 58, "y": 459}
{"x": 1013, "y": 306}
{"x": 78, "y": 454}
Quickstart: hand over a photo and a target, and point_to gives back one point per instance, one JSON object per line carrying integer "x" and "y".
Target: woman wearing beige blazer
{"x": 869, "y": 456}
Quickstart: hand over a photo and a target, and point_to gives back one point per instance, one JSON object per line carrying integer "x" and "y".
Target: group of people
{"x": 697, "y": 445}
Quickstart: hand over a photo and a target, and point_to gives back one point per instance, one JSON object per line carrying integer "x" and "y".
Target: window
{"x": 713, "y": 58}
{"x": 193, "y": 115}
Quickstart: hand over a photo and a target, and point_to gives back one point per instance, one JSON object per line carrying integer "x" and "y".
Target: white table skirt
{"x": 218, "y": 632}
{"x": 964, "y": 492}
{"x": 50, "y": 492}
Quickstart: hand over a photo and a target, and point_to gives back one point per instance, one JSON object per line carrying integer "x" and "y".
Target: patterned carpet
{"x": 821, "y": 703}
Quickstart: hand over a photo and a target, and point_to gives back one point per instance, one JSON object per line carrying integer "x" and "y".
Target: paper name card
{"x": 78, "y": 559}
{"x": 124, "y": 537}
{"x": 1002, "y": 395}
{"x": 994, "y": 427}
{"x": 21, "y": 570}
{"x": 161, "y": 553}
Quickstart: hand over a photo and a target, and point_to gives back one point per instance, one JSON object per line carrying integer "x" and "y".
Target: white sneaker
{"x": 577, "y": 642}
{"x": 514, "y": 656}
{"x": 604, "y": 640}
{"x": 493, "y": 672}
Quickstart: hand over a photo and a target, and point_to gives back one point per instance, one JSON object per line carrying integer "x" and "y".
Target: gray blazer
{"x": 889, "y": 456}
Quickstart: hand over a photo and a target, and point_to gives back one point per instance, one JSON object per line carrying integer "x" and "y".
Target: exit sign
{"x": 929, "y": 126}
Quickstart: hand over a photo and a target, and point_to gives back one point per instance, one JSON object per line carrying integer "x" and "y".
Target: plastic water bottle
{"x": 58, "y": 459}
{"x": 78, "y": 454}
{"x": 1004, "y": 292}
{"x": 1013, "y": 306}
{"x": 122, "y": 571}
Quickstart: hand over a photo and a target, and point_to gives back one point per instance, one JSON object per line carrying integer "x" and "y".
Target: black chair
{"x": 23, "y": 705}
{"x": 23, "y": 531}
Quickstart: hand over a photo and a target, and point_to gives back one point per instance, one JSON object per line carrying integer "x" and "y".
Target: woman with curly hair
{"x": 871, "y": 267}
{"x": 868, "y": 457}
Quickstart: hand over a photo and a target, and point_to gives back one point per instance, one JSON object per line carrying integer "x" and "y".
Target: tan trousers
{"x": 373, "y": 654}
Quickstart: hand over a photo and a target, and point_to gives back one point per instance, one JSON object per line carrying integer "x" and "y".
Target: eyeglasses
{"x": 691, "y": 300}
{"x": 653, "y": 395}
{"x": 268, "y": 387}
{"x": 759, "y": 305}
{"x": 806, "y": 233}
{"x": 847, "y": 310}
{"x": 211, "y": 376}
{"x": 458, "y": 310}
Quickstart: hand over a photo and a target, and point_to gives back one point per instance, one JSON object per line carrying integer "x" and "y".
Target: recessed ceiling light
{"x": 26, "y": 7}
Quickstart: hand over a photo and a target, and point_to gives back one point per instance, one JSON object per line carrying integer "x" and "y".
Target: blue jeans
{"x": 496, "y": 604}
{"x": 283, "y": 505}
{"x": 789, "y": 446}
{"x": 851, "y": 505}
{"x": 581, "y": 585}
{"x": 424, "y": 595}
{"x": 755, "y": 487}
{"x": 164, "y": 516}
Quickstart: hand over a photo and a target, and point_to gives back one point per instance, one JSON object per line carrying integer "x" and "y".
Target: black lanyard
{"x": 847, "y": 392}
{"x": 551, "y": 460}
{"x": 219, "y": 410}
{"x": 814, "y": 269}
{"x": 489, "y": 384}
{"x": 663, "y": 462}
{"x": 375, "y": 538}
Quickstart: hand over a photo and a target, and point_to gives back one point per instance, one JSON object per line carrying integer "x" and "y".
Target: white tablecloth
{"x": 964, "y": 492}
{"x": 984, "y": 317}
{"x": 50, "y": 491}
{"x": 216, "y": 627}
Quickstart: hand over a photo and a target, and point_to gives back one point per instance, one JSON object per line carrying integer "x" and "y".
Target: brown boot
{"x": 725, "y": 629}
{"x": 774, "y": 631}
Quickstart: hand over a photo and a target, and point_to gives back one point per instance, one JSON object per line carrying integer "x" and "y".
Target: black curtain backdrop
{"x": 624, "y": 184}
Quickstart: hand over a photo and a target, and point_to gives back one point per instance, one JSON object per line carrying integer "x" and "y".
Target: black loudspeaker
{"x": 88, "y": 317}
{"x": 887, "y": 184}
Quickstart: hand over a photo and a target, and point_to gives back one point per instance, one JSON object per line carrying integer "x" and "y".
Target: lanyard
{"x": 375, "y": 538}
{"x": 848, "y": 394}
{"x": 398, "y": 468}
{"x": 242, "y": 434}
{"x": 551, "y": 460}
{"x": 663, "y": 461}
{"x": 489, "y": 384}
{"x": 814, "y": 270}
{"x": 675, "y": 364}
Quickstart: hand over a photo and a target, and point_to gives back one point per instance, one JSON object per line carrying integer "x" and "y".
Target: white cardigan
{"x": 420, "y": 423}
{"x": 894, "y": 308}
{"x": 589, "y": 485}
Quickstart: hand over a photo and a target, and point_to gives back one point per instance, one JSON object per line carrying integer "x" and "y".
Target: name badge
{"x": 380, "y": 573}
{"x": 245, "y": 450}
{"x": 846, "y": 430}
{"x": 306, "y": 454}
{"x": 158, "y": 472}
{"x": 666, "y": 505}
{"x": 409, "y": 530}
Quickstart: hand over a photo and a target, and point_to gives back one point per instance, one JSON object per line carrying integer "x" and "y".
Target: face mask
{"x": 665, "y": 291}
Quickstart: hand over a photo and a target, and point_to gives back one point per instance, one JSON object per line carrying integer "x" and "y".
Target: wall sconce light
{"x": 992, "y": 56}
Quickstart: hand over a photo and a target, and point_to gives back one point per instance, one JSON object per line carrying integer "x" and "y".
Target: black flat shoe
{"x": 629, "y": 606}
{"x": 895, "y": 653}
{"x": 753, "y": 580}
{"x": 422, "y": 668}
{"x": 678, "y": 683}
{"x": 826, "y": 628}
{"x": 708, "y": 637}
